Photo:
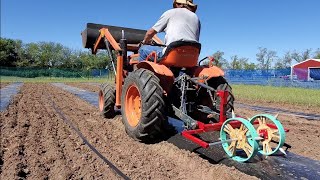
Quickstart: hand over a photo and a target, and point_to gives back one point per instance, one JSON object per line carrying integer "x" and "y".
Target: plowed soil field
{"x": 304, "y": 135}
{"x": 36, "y": 143}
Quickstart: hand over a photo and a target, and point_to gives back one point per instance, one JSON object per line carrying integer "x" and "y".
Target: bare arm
{"x": 149, "y": 35}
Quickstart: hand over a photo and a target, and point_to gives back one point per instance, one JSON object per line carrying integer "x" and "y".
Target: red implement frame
{"x": 189, "y": 134}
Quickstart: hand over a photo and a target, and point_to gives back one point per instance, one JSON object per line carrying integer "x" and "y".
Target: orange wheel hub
{"x": 101, "y": 101}
{"x": 133, "y": 106}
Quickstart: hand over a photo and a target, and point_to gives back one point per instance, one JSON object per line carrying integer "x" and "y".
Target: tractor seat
{"x": 181, "y": 54}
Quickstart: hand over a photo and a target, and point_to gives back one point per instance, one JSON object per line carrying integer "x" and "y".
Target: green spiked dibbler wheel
{"x": 239, "y": 143}
{"x": 273, "y": 139}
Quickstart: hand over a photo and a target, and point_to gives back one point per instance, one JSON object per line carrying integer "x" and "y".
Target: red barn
{"x": 306, "y": 70}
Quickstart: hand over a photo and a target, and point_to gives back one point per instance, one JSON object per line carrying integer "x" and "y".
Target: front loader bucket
{"x": 91, "y": 33}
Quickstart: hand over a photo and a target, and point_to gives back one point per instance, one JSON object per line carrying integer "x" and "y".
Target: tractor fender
{"x": 207, "y": 72}
{"x": 162, "y": 72}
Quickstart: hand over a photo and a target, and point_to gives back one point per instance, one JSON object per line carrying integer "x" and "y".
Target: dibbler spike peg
{"x": 233, "y": 114}
{"x": 283, "y": 151}
{"x": 276, "y": 116}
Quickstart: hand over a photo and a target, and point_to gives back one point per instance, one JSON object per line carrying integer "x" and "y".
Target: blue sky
{"x": 233, "y": 26}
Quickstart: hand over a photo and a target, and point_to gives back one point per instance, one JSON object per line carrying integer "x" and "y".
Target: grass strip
{"x": 288, "y": 95}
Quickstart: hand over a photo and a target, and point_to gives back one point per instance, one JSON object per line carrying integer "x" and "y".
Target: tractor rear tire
{"x": 143, "y": 106}
{"x": 223, "y": 85}
{"x": 203, "y": 98}
{"x": 107, "y": 100}
{"x": 220, "y": 84}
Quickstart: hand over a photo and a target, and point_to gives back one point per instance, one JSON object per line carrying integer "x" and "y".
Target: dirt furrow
{"x": 139, "y": 161}
{"x": 37, "y": 144}
{"x": 7, "y": 126}
{"x": 47, "y": 132}
{"x": 14, "y": 130}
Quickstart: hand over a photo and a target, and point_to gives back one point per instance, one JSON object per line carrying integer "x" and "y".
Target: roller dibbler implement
{"x": 176, "y": 85}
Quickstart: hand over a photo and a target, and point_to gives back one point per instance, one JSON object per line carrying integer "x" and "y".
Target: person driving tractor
{"x": 180, "y": 24}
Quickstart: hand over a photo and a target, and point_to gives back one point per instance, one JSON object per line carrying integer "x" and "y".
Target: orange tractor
{"x": 176, "y": 85}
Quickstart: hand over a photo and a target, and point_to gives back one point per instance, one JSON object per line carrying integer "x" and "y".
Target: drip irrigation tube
{"x": 68, "y": 122}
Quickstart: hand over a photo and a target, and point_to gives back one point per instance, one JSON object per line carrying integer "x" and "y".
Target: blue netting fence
{"x": 303, "y": 78}
{"x": 31, "y": 72}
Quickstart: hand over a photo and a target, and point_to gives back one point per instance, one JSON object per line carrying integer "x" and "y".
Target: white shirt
{"x": 179, "y": 24}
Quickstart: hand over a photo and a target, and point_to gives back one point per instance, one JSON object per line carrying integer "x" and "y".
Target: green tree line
{"x": 266, "y": 59}
{"x": 15, "y": 53}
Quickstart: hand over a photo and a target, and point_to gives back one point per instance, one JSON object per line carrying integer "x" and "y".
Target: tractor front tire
{"x": 143, "y": 106}
{"x": 107, "y": 100}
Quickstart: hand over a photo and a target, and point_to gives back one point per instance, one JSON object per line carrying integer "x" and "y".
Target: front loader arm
{"x": 106, "y": 36}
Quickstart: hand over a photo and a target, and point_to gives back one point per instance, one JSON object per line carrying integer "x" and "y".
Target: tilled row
{"x": 67, "y": 121}
{"x": 36, "y": 144}
{"x": 161, "y": 161}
